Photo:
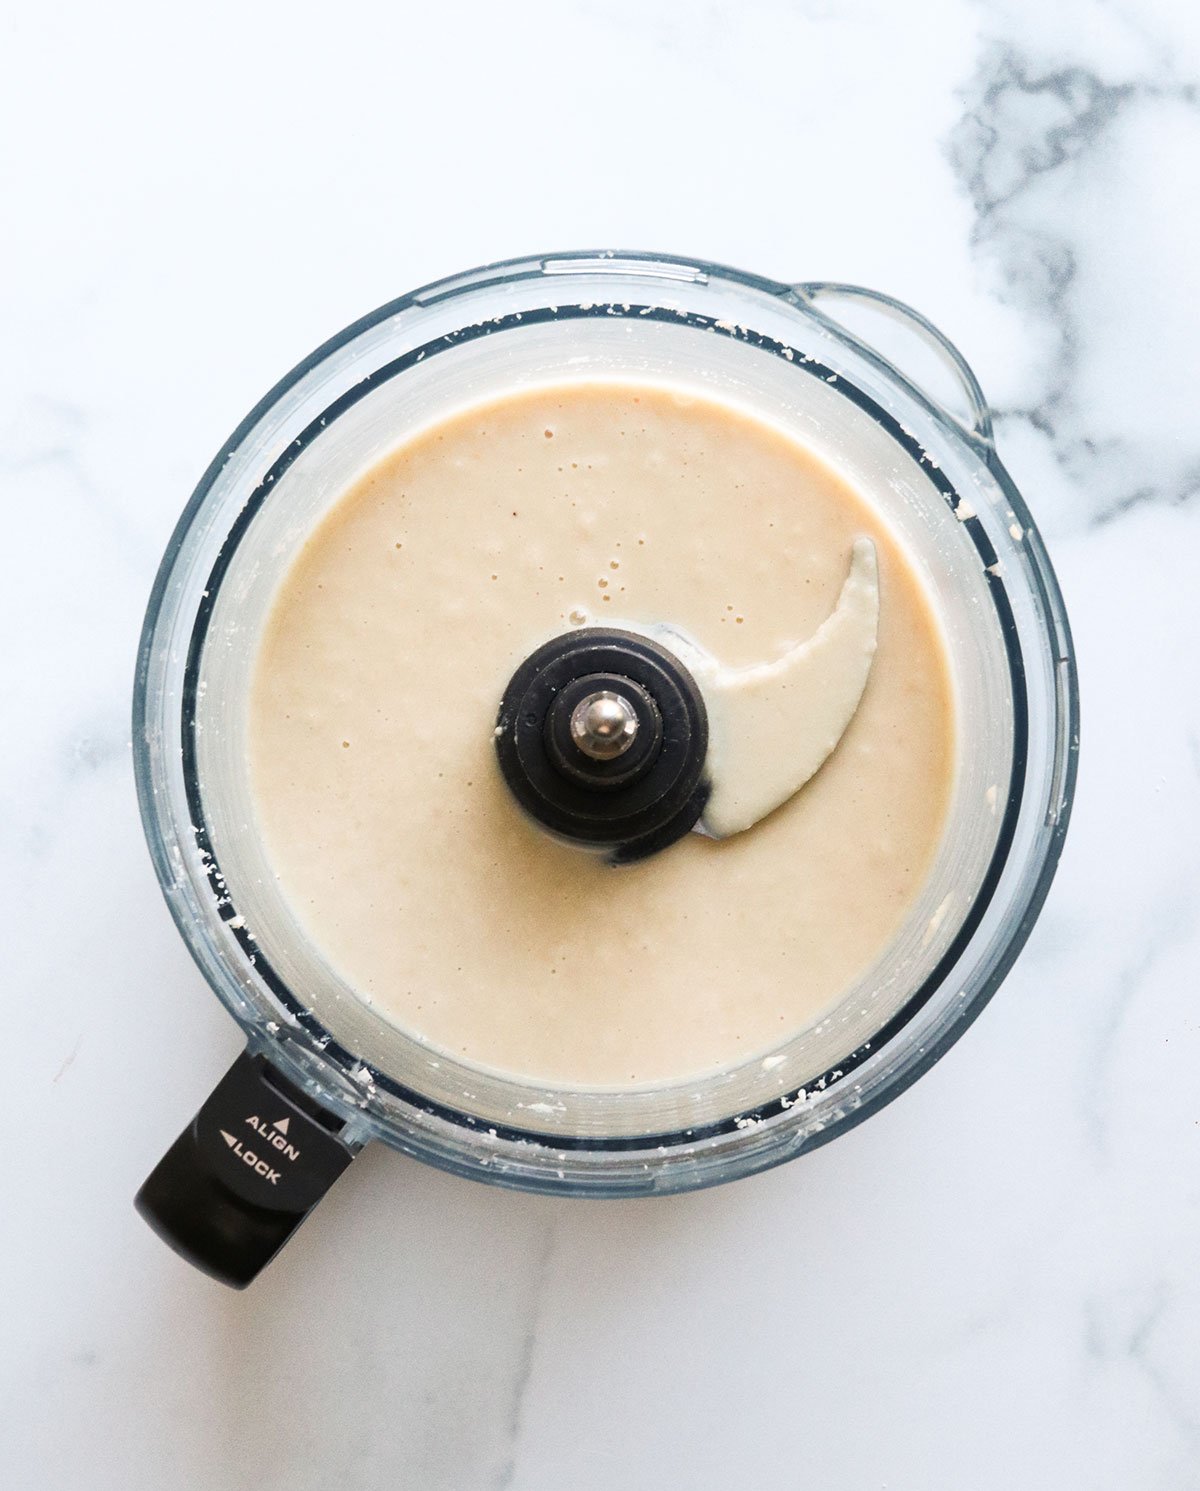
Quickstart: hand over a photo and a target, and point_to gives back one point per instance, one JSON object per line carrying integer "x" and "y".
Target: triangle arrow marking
{"x": 282, "y": 1126}
{"x": 228, "y": 1138}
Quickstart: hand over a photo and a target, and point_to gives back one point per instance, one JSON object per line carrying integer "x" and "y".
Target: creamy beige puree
{"x": 388, "y": 823}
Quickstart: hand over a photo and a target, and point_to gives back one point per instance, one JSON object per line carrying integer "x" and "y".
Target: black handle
{"x": 245, "y": 1173}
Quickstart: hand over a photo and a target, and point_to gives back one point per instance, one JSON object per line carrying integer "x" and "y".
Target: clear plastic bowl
{"x": 786, "y": 351}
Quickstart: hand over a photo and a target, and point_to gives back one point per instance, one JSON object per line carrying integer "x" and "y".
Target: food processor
{"x": 323, "y": 1072}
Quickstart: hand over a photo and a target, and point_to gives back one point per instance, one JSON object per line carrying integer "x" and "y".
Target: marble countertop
{"x": 994, "y": 1282}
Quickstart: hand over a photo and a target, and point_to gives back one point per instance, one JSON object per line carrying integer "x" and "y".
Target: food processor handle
{"x": 245, "y": 1172}
{"x": 975, "y": 419}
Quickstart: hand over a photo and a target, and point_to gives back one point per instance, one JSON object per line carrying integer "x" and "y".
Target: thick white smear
{"x": 773, "y": 725}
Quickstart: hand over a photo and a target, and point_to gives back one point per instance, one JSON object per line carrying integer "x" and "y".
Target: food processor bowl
{"x": 231, "y": 1190}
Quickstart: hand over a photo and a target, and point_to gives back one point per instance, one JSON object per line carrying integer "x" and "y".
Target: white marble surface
{"x": 992, "y": 1284}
